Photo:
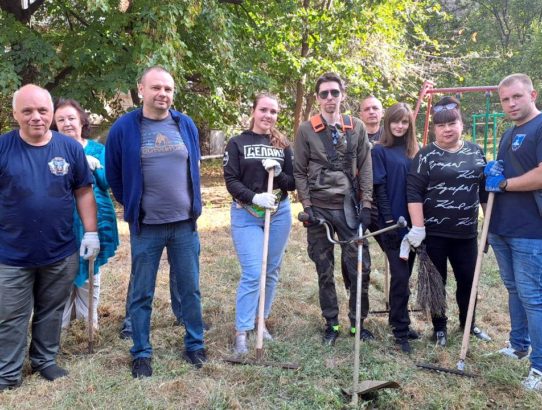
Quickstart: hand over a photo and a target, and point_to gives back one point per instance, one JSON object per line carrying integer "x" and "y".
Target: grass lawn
{"x": 103, "y": 379}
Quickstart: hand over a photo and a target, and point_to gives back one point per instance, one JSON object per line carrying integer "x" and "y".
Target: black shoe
{"x": 412, "y": 334}
{"x": 53, "y": 372}
{"x": 196, "y": 357}
{"x": 4, "y": 387}
{"x": 365, "y": 334}
{"x": 141, "y": 367}
{"x": 404, "y": 345}
{"x": 440, "y": 337}
{"x": 480, "y": 334}
{"x": 331, "y": 333}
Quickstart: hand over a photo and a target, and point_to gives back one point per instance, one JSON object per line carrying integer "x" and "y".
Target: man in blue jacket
{"x": 152, "y": 165}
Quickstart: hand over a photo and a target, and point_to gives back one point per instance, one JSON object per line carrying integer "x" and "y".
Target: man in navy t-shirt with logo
{"x": 515, "y": 231}
{"x": 152, "y": 166}
{"x": 42, "y": 172}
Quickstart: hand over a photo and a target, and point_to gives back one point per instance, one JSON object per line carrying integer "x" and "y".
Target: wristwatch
{"x": 503, "y": 184}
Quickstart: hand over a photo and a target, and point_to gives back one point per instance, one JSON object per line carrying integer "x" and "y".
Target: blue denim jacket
{"x": 123, "y": 163}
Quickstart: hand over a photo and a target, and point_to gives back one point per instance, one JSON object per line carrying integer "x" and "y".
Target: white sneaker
{"x": 533, "y": 381}
{"x": 241, "y": 343}
{"x": 266, "y": 334}
{"x": 510, "y": 352}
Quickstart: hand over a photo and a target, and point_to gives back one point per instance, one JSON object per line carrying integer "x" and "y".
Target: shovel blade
{"x": 369, "y": 386}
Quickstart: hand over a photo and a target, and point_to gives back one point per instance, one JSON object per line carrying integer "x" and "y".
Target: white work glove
{"x": 416, "y": 235}
{"x": 404, "y": 249}
{"x": 90, "y": 245}
{"x": 272, "y": 163}
{"x": 264, "y": 200}
{"x": 93, "y": 162}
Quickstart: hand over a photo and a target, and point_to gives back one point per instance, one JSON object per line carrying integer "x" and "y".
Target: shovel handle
{"x": 91, "y": 304}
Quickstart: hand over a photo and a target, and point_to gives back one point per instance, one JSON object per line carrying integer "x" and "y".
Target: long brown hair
{"x": 395, "y": 114}
{"x": 277, "y": 138}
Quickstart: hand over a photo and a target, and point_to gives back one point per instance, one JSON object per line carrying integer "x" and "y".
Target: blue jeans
{"x": 175, "y": 301}
{"x": 520, "y": 264}
{"x": 247, "y": 234}
{"x": 183, "y": 247}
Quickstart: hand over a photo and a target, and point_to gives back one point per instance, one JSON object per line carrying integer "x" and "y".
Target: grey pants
{"x": 44, "y": 290}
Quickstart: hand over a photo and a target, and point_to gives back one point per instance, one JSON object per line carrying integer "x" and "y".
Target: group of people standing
{"x": 345, "y": 170}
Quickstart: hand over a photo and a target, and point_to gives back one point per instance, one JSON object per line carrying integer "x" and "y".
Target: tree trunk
{"x": 300, "y": 85}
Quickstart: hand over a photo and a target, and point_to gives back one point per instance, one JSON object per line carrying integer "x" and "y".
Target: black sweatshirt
{"x": 244, "y": 173}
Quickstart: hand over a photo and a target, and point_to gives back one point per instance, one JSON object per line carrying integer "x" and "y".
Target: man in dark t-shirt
{"x": 43, "y": 173}
{"x": 152, "y": 166}
{"x": 517, "y": 241}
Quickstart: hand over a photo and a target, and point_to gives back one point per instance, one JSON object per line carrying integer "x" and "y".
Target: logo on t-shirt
{"x": 260, "y": 151}
{"x": 518, "y": 140}
{"x": 225, "y": 159}
{"x": 58, "y": 166}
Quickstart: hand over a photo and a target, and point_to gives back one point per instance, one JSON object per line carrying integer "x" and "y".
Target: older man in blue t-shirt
{"x": 42, "y": 172}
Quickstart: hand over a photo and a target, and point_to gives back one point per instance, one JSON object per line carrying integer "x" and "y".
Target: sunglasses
{"x": 439, "y": 108}
{"x": 334, "y": 93}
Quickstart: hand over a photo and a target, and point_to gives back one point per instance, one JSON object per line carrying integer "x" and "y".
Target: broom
{"x": 431, "y": 292}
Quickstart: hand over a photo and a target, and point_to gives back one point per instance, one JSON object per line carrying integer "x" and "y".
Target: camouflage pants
{"x": 320, "y": 251}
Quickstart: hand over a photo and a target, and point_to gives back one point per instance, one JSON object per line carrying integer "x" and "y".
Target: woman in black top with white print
{"x": 247, "y": 159}
{"x": 445, "y": 186}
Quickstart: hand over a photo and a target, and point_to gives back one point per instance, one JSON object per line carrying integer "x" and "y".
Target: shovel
{"x": 366, "y": 386}
{"x": 91, "y": 304}
{"x": 261, "y": 305}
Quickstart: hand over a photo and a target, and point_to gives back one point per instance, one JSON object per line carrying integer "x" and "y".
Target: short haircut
{"x": 83, "y": 116}
{"x": 367, "y": 97}
{"x": 16, "y": 93}
{"x": 147, "y": 70}
{"x": 519, "y": 77}
{"x": 446, "y": 115}
{"x": 327, "y": 77}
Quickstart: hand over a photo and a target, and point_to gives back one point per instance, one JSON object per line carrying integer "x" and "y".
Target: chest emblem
{"x": 58, "y": 166}
{"x": 518, "y": 140}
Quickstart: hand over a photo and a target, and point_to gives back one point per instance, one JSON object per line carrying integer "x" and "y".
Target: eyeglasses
{"x": 334, "y": 93}
{"x": 439, "y": 108}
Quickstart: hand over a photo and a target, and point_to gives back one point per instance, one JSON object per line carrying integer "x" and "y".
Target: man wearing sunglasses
{"x": 332, "y": 166}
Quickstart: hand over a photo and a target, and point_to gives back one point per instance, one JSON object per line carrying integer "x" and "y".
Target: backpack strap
{"x": 317, "y": 123}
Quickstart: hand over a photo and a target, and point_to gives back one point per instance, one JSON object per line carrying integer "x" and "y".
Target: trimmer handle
{"x": 307, "y": 220}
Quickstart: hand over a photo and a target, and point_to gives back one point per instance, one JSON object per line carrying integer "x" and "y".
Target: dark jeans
{"x": 462, "y": 255}
{"x": 43, "y": 290}
{"x": 183, "y": 247}
{"x": 320, "y": 251}
{"x": 400, "y": 272}
{"x": 174, "y": 295}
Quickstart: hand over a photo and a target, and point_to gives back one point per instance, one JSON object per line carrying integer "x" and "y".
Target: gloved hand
{"x": 265, "y": 200}
{"x": 494, "y": 168}
{"x": 416, "y": 235}
{"x": 90, "y": 245}
{"x": 492, "y": 183}
{"x": 365, "y": 217}
{"x": 272, "y": 163}
{"x": 404, "y": 250}
{"x": 93, "y": 162}
{"x": 312, "y": 219}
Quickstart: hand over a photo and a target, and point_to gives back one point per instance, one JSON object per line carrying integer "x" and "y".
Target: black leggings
{"x": 462, "y": 255}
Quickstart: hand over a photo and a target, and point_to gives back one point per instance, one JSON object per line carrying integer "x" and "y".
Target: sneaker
{"x": 404, "y": 345}
{"x": 440, "y": 337}
{"x": 510, "y": 352}
{"x": 412, "y": 334}
{"x": 331, "y": 333}
{"x": 533, "y": 381}
{"x": 365, "y": 334}
{"x": 196, "y": 357}
{"x": 480, "y": 334}
{"x": 141, "y": 367}
{"x": 241, "y": 343}
{"x": 53, "y": 372}
{"x": 4, "y": 387}
{"x": 267, "y": 335}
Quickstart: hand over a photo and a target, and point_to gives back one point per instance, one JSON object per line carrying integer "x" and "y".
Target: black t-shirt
{"x": 450, "y": 185}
